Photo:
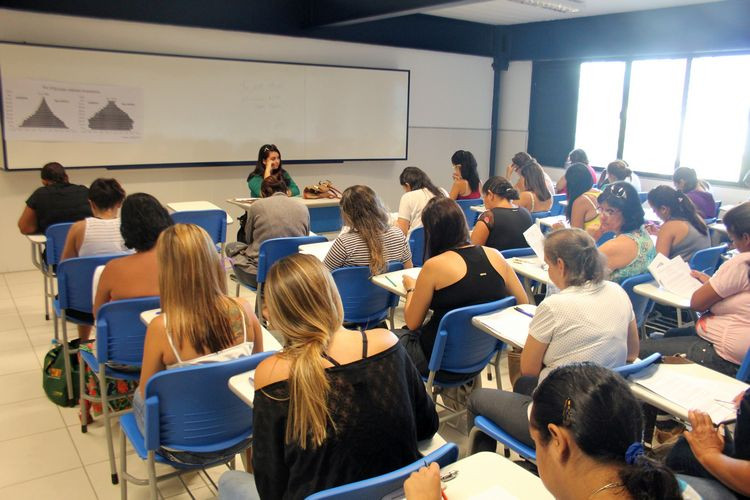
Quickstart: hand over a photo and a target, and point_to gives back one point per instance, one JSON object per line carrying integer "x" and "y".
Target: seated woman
{"x": 455, "y": 274}
{"x": 275, "y": 215}
{"x": 465, "y": 176}
{"x": 334, "y": 406}
{"x": 99, "y": 234}
{"x": 686, "y": 180}
{"x": 587, "y": 429}
{"x": 503, "y": 224}
{"x": 684, "y": 232}
{"x": 631, "y": 251}
{"x": 269, "y": 163}
{"x": 371, "y": 240}
{"x": 591, "y": 319}
{"x": 137, "y": 275}
{"x": 719, "y": 340}
{"x": 199, "y": 322}
{"x": 619, "y": 170}
{"x": 519, "y": 160}
{"x": 534, "y": 197}
{"x": 56, "y": 201}
{"x": 419, "y": 189}
{"x": 575, "y": 156}
{"x": 582, "y": 210}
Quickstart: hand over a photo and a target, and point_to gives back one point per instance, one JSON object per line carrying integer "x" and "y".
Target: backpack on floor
{"x": 53, "y": 375}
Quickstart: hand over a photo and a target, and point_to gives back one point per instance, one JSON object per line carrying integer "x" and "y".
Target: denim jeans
{"x": 237, "y": 485}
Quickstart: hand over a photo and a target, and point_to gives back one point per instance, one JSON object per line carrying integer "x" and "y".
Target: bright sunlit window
{"x": 599, "y": 105}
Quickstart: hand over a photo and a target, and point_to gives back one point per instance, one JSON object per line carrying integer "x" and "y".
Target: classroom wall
{"x": 450, "y": 98}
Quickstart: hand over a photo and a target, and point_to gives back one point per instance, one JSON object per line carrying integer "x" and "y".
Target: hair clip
{"x": 567, "y": 414}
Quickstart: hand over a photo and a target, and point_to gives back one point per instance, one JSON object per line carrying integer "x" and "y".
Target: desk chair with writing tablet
{"x": 642, "y": 306}
{"x": 416, "y": 244}
{"x": 365, "y": 304}
{"x": 708, "y": 259}
{"x": 557, "y": 208}
{"x": 56, "y": 235}
{"x": 743, "y": 373}
{"x": 214, "y": 222}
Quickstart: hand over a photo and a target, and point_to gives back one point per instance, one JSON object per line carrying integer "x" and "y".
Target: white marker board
{"x": 219, "y": 111}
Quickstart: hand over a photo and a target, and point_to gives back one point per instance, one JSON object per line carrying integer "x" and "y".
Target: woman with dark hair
{"x": 587, "y": 429}
{"x": 686, "y": 180}
{"x": 137, "y": 275}
{"x": 684, "y": 232}
{"x": 534, "y": 195}
{"x": 582, "y": 210}
{"x": 619, "y": 170}
{"x": 371, "y": 241}
{"x": 591, "y": 319}
{"x": 419, "y": 189}
{"x": 719, "y": 339}
{"x": 455, "y": 274}
{"x": 99, "y": 234}
{"x": 575, "y": 156}
{"x": 56, "y": 201}
{"x": 269, "y": 163}
{"x": 631, "y": 250}
{"x": 465, "y": 176}
{"x": 503, "y": 224}
{"x": 517, "y": 162}
{"x": 275, "y": 215}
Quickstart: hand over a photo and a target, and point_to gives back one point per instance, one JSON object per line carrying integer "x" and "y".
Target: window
{"x": 655, "y": 126}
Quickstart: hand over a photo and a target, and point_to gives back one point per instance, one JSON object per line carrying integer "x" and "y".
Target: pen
{"x": 391, "y": 281}
{"x": 523, "y": 312}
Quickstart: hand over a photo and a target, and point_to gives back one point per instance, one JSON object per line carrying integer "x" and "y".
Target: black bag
{"x": 241, "y": 231}
{"x": 53, "y": 375}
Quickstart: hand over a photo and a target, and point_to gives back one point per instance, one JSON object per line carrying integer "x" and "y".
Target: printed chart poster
{"x": 39, "y": 110}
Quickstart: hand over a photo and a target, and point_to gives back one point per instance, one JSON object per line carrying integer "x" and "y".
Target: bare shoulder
{"x": 379, "y": 340}
{"x": 272, "y": 369}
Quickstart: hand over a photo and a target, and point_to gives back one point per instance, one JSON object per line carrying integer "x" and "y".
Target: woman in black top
{"x": 455, "y": 274}
{"x": 503, "y": 224}
{"x": 334, "y": 406}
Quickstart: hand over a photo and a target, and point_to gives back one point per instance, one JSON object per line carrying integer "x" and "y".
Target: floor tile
{"x": 22, "y": 277}
{"x": 21, "y": 386}
{"x": 18, "y": 360}
{"x": 92, "y": 446}
{"x": 68, "y": 485}
{"x": 36, "y": 456}
{"x": 23, "y": 290}
{"x": 28, "y": 417}
{"x": 10, "y": 321}
{"x": 11, "y": 340}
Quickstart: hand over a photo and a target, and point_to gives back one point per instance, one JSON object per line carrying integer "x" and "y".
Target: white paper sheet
{"x": 535, "y": 239}
{"x": 510, "y": 324}
{"x": 674, "y": 275}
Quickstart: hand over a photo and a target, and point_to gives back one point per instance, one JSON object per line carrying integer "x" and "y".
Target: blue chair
{"x": 487, "y": 426}
{"x": 642, "y": 306}
{"x": 471, "y": 215}
{"x": 365, "y": 304}
{"x": 605, "y": 238}
{"x": 56, "y": 235}
{"x": 74, "y": 277}
{"x": 517, "y": 252}
{"x": 743, "y": 373}
{"x": 557, "y": 209}
{"x": 627, "y": 370}
{"x": 460, "y": 347}
{"x": 380, "y": 486}
{"x": 540, "y": 215}
{"x": 120, "y": 336}
{"x": 707, "y": 260}
{"x": 205, "y": 418}
{"x": 643, "y": 196}
{"x": 213, "y": 221}
{"x": 711, "y": 220}
{"x": 269, "y": 252}
{"x": 416, "y": 244}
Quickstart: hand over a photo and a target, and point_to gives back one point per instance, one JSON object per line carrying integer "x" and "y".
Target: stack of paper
{"x": 674, "y": 275}
{"x": 510, "y": 325}
{"x": 535, "y": 239}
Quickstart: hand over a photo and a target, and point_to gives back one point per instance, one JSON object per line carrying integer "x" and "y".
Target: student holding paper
{"x": 720, "y": 339}
{"x": 503, "y": 224}
{"x": 684, "y": 232}
{"x": 589, "y": 320}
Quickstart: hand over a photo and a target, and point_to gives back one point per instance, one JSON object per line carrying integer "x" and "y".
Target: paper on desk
{"x": 511, "y": 325}
{"x": 535, "y": 239}
{"x": 494, "y": 493}
{"x": 691, "y": 392}
{"x": 397, "y": 277}
{"x": 674, "y": 275}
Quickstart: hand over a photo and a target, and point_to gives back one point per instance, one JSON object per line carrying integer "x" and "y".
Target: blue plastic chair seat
{"x": 488, "y": 427}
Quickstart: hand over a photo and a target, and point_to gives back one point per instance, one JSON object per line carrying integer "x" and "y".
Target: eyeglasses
{"x": 609, "y": 212}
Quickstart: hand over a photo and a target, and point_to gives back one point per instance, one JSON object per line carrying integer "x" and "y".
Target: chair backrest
{"x": 380, "y": 486}
{"x": 744, "y": 372}
{"x": 120, "y": 333}
{"x": 557, "y": 209}
{"x": 627, "y": 370}
{"x": 605, "y": 238}
{"x": 471, "y": 215}
{"x": 540, "y": 215}
{"x": 56, "y": 235}
{"x": 641, "y": 305}
{"x": 192, "y": 408}
{"x": 643, "y": 196}
{"x": 416, "y": 244}
{"x": 707, "y": 260}
{"x": 717, "y": 204}
{"x": 213, "y": 221}
{"x": 460, "y": 346}
{"x": 364, "y": 302}
{"x": 517, "y": 252}
{"x": 277, "y": 248}
{"x": 74, "y": 281}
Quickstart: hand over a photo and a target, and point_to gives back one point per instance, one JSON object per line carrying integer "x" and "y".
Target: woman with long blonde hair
{"x": 371, "y": 240}
{"x": 334, "y": 406}
{"x": 199, "y": 322}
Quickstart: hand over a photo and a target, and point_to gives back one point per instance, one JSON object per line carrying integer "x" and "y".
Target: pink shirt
{"x": 727, "y": 327}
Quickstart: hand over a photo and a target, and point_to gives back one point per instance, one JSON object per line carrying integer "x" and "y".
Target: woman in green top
{"x": 269, "y": 163}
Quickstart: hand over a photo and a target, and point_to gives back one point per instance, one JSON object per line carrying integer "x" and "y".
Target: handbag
{"x": 323, "y": 189}
{"x": 53, "y": 375}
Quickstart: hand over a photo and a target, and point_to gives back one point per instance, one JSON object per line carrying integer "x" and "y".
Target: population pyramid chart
{"x": 43, "y": 117}
{"x": 111, "y": 117}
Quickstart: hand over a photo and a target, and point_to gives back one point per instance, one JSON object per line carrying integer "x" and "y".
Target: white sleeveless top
{"x": 234, "y": 352}
{"x": 102, "y": 236}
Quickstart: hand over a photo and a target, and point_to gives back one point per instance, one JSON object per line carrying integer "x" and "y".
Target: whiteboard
{"x": 219, "y": 111}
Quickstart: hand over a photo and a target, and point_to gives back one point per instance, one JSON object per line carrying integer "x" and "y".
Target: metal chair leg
{"x": 66, "y": 353}
{"x": 123, "y": 467}
{"x": 107, "y": 423}
{"x": 81, "y": 393}
{"x": 152, "y": 475}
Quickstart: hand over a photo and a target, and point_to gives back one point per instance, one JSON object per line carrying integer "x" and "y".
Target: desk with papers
{"x": 394, "y": 281}
{"x": 325, "y": 213}
{"x": 511, "y": 325}
{"x": 531, "y": 269}
{"x": 181, "y": 206}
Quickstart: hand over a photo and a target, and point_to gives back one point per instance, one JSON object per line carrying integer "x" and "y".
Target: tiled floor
{"x": 43, "y": 453}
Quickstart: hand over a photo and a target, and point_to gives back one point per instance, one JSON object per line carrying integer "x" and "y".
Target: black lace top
{"x": 380, "y": 409}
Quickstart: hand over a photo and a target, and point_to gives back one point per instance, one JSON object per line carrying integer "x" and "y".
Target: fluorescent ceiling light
{"x": 565, "y": 7}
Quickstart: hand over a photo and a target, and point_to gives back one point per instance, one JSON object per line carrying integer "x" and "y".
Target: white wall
{"x": 446, "y": 114}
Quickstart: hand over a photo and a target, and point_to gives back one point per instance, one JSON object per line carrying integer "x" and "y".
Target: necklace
{"x": 607, "y": 486}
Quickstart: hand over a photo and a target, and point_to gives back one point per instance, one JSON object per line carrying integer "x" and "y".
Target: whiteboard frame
{"x": 250, "y": 161}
